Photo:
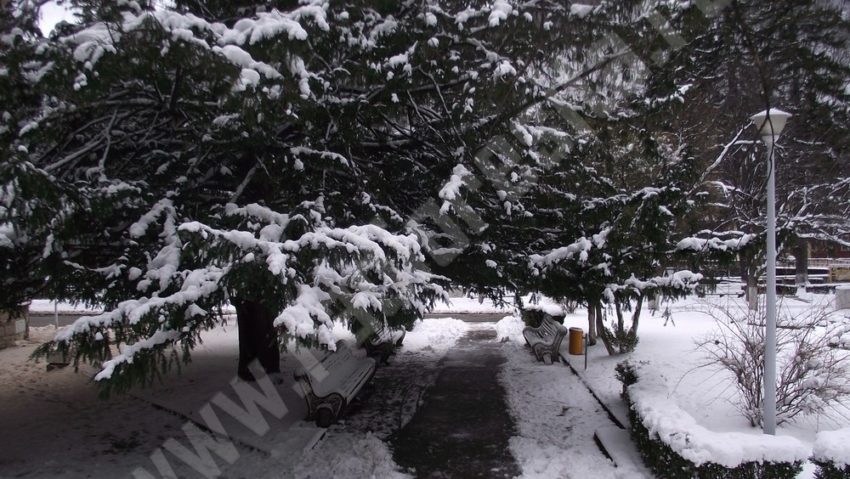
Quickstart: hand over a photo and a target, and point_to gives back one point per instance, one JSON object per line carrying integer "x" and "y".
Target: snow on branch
{"x": 95, "y": 41}
{"x": 158, "y": 339}
{"x": 697, "y": 244}
{"x": 580, "y": 247}
{"x": 197, "y": 285}
{"x": 275, "y": 23}
{"x": 679, "y": 281}
{"x": 327, "y": 155}
{"x": 451, "y": 190}
{"x": 297, "y": 318}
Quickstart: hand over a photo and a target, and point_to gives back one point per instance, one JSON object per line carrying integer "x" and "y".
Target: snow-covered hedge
{"x": 832, "y": 454}
{"x": 674, "y": 445}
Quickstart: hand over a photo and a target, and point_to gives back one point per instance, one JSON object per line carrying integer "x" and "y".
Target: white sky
{"x": 51, "y": 14}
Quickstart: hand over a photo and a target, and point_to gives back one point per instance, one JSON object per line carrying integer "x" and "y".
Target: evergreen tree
{"x": 273, "y": 159}
{"x": 23, "y": 63}
{"x": 592, "y": 189}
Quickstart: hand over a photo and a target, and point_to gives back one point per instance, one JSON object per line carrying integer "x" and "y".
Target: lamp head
{"x": 770, "y": 123}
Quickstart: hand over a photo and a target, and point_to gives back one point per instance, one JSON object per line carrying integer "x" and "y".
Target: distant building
{"x": 828, "y": 249}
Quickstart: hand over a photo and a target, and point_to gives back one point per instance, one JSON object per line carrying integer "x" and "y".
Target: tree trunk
{"x": 258, "y": 339}
{"x": 632, "y": 335}
{"x": 744, "y": 269}
{"x": 591, "y": 325}
{"x": 604, "y": 335}
{"x": 801, "y": 255}
{"x": 753, "y": 296}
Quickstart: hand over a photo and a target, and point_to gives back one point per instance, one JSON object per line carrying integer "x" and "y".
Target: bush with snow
{"x": 674, "y": 445}
{"x": 832, "y": 454}
{"x": 812, "y": 377}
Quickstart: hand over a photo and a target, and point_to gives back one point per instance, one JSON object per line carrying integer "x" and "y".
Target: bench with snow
{"x": 382, "y": 344}
{"x": 545, "y": 340}
{"x": 333, "y": 382}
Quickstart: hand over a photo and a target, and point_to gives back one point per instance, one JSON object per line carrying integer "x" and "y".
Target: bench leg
{"x": 547, "y": 359}
{"x": 325, "y": 416}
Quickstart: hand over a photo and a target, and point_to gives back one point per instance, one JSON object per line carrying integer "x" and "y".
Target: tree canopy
{"x": 316, "y": 161}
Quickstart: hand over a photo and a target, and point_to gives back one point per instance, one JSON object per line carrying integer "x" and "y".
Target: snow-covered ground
{"x": 556, "y": 418}
{"x": 667, "y": 349}
{"x": 54, "y": 424}
{"x": 45, "y": 306}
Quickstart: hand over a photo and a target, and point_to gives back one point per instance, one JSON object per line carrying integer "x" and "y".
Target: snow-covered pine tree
{"x": 593, "y": 186}
{"x": 276, "y": 159}
{"x": 195, "y": 173}
{"x": 22, "y": 64}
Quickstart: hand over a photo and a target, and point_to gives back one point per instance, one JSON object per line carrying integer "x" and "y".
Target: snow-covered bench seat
{"x": 331, "y": 383}
{"x": 545, "y": 340}
{"x": 382, "y": 344}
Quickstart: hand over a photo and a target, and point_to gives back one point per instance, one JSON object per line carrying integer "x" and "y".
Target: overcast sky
{"x": 51, "y": 14}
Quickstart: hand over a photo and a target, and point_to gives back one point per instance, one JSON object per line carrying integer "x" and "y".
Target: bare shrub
{"x": 812, "y": 376}
{"x": 569, "y": 306}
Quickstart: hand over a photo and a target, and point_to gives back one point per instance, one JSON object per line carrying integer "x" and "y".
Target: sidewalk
{"x": 463, "y": 429}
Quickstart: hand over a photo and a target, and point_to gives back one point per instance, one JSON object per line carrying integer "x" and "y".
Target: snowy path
{"x": 485, "y": 405}
{"x": 462, "y": 429}
{"x": 556, "y": 418}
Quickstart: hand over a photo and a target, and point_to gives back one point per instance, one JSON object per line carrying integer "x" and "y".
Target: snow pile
{"x": 833, "y": 447}
{"x": 510, "y": 329}
{"x": 680, "y": 431}
{"x": 349, "y": 455}
{"x": 434, "y": 334}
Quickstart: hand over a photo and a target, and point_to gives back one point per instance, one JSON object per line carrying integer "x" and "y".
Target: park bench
{"x": 332, "y": 382}
{"x": 382, "y": 344}
{"x": 545, "y": 341}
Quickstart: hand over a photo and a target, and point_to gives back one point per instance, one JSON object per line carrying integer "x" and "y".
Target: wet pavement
{"x": 462, "y": 427}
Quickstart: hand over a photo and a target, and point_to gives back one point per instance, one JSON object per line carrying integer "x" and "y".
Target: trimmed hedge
{"x": 668, "y": 464}
{"x": 828, "y": 470}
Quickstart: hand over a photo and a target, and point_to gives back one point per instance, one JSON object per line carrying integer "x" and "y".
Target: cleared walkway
{"x": 462, "y": 429}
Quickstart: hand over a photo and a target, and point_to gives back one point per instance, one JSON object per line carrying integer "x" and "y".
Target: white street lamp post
{"x": 770, "y": 124}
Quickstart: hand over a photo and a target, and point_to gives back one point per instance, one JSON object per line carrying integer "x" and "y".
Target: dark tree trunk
{"x": 744, "y": 269}
{"x": 801, "y": 255}
{"x": 258, "y": 339}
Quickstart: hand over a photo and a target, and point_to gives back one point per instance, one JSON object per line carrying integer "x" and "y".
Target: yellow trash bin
{"x": 576, "y": 341}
